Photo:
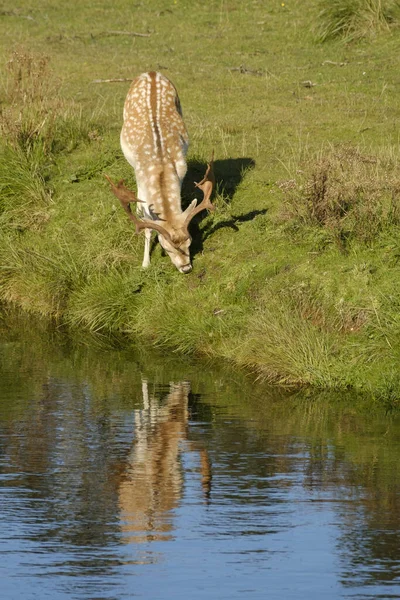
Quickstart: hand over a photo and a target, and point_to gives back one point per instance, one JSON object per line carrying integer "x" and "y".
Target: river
{"x": 129, "y": 474}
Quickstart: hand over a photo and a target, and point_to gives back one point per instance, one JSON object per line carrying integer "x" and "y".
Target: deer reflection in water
{"x": 151, "y": 488}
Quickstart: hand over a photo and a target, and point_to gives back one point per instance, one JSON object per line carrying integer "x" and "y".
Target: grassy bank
{"x": 296, "y": 275}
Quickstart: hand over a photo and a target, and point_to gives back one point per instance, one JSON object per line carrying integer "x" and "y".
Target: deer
{"x": 152, "y": 483}
{"x": 155, "y": 141}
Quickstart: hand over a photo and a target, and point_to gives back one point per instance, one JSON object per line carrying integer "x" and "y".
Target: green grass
{"x": 25, "y": 199}
{"x": 295, "y": 274}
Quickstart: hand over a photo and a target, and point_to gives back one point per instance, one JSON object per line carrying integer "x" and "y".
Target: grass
{"x": 348, "y": 194}
{"x": 356, "y": 19}
{"x": 25, "y": 199}
{"x": 295, "y": 275}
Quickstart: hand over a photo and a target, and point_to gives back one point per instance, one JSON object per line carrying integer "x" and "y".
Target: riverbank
{"x": 296, "y": 274}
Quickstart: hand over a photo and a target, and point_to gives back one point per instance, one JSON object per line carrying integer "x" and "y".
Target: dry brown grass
{"x": 356, "y": 19}
{"x": 32, "y": 103}
{"x": 350, "y": 194}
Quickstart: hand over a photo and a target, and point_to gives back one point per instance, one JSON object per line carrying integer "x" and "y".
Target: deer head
{"x": 174, "y": 240}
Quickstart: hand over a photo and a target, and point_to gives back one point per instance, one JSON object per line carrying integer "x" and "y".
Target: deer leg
{"x": 146, "y": 257}
{"x": 141, "y": 212}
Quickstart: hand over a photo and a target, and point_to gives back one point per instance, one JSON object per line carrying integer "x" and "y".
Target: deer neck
{"x": 162, "y": 195}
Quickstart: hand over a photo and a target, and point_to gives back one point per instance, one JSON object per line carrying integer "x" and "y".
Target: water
{"x": 129, "y": 475}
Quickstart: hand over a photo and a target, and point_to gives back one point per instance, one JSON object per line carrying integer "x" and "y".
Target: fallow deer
{"x": 152, "y": 486}
{"x": 155, "y": 141}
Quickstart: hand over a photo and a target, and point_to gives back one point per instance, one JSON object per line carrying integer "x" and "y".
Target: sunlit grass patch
{"x": 187, "y": 316}
{"x": 284, "y": 342}
{"x": 36, "y": 123}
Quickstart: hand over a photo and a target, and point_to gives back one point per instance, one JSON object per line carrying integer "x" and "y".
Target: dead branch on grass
{"x": 114, "y": 80}
{"x": 334, "y": 63}
{"x": 112, "y": 33}
{"x": 14, "y": 13}
{"x": 245, "y": 71}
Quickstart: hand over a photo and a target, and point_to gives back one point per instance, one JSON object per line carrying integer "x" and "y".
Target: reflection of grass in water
{"x": 295, "y": 274}
{"x": 347, "y": 437}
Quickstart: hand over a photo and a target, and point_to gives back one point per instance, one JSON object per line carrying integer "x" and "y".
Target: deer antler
{"x": 206, "y": 185}
{"x": 126, "y": 196}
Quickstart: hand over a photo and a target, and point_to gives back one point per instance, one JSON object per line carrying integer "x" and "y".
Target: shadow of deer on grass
{"x": 229, "y": 173}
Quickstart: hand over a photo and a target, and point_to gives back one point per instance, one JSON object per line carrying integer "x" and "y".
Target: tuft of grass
{"x": 349, "y": 194}
{"x": 386, "y": 393}
{"x": 35, "y": 116}
{"x": 282, "y": 346}
{"x": 25, "y": 198}
{"x": 174, "y": 317}
{"x": 105, "y": 303}
{"x": 356, "y": 19}
{"x": 36, "y": 279}
{"x": 31, "y": 101}
{"x": 37, "y": 124}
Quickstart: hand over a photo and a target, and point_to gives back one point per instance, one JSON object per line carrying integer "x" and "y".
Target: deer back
{"x": 154, "y": 140}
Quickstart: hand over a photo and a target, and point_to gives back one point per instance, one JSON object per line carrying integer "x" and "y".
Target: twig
{"x": 332, "y": 62}
{"x": 60, "y": 36}
{"x": 111, "y": 33}
{"x": 244, "y": 70}
{"x": 13, "y": 13}
{"x": 93, "y": 36}
{"x": 115, "y": 80}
